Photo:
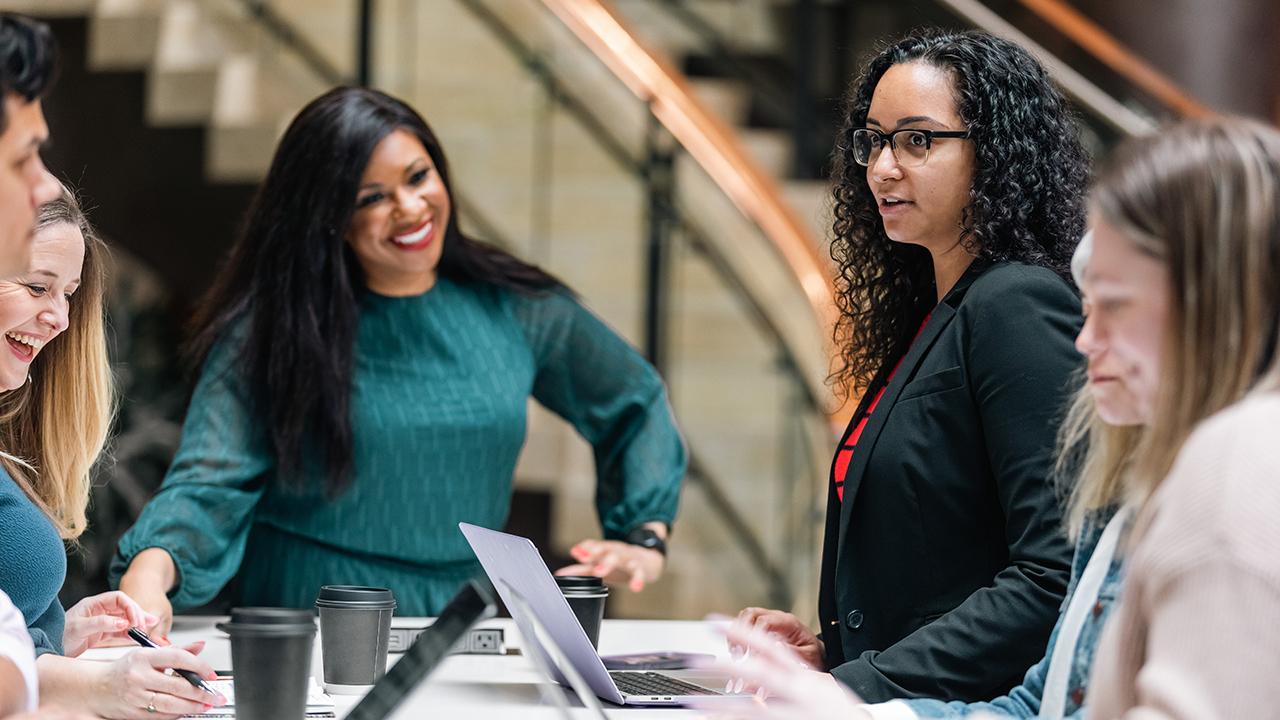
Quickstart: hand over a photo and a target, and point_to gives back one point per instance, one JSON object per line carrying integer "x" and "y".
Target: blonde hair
{"x": 1093, "y": 459}
{"x": 1202, "y": 197}
{"x": 54, "y": 427}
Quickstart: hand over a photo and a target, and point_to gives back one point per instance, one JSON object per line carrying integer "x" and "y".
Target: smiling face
{"x": 922, "y": 205}
{"x": 402, "y": 210}
{"x": 24, "y": 183}
{"x": 1126, "y": 305}
{"x": 34, "y": 306}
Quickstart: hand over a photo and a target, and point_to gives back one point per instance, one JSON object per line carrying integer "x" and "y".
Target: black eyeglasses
{"x": 910, "y": 146}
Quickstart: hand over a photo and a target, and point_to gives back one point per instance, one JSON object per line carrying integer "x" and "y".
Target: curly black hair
{"x": 28, "y": 59}
{"x": 1027, "y": 203}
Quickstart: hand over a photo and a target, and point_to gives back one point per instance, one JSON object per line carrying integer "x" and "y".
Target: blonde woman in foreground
{"x": 55, "y": 412}
{"x": 1183, "y": 300}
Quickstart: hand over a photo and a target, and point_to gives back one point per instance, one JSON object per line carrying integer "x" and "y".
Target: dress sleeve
{"x": 204, "y": 509}
{"x": 1021, "y": 362}
{"x": 588, "y": 375}
{"x": 16, "y": 647}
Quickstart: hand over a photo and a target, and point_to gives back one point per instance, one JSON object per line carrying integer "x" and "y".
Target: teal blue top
{"x": 439, "y": 396}
{"x": 33, "y": 565}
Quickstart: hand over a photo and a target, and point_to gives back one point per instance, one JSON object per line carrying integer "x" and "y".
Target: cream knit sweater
{"x": 1197, "y": 630}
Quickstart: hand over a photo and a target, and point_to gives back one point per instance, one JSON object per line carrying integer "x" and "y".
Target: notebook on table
{"x": 513, "y": 563}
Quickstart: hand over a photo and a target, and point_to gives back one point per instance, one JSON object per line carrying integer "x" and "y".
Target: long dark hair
{"x": 28, "y": 59}
{"x": 292, "y": 276}
{"x": 1027, "y": 203}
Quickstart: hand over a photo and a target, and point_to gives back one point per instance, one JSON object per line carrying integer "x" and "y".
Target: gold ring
{"x": 151, "y": 703}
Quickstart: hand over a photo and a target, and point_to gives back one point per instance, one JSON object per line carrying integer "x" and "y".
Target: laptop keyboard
{"x": 651, "y": 683}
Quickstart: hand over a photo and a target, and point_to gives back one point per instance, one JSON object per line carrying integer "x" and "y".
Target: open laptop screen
{"x": 470, "y": 605}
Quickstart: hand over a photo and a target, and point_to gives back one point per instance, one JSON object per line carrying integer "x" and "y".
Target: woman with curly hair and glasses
{"x": 959, "y": 198}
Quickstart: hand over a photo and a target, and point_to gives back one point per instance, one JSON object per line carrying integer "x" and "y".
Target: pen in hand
{"x": 141, "y": 638}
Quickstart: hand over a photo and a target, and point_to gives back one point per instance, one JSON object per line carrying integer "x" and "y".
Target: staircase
{"x": 529, "y": 174}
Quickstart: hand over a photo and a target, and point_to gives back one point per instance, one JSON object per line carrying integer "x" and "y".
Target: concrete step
{"x": 773, "y": 149}
{"x": 660, "y": 29}
{"x": 50, "y": 8}
{"x": 124, "y": 34}
{"x": 729, "y": 99}
{"x": 812, "y": 200}
{"x": 745, "y": 25}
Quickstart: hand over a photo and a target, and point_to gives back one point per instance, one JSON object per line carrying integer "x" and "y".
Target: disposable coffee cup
{"x": 270, "y": 661}
{"x": 586, "y": 595}
{"x": 355, "y": 629}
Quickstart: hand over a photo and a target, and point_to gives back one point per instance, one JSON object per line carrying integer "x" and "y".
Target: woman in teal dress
{"x": 366, "y": 370}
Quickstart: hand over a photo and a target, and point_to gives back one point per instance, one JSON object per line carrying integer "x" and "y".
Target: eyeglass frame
{"x": 929, "y": 135}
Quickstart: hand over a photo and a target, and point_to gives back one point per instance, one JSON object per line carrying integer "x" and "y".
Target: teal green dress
{"x": 439, "y": 397}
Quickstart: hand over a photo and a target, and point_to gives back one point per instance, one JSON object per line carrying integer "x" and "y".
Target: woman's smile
{"x": 417, "y": 237}
{"x": 23, "y": 345}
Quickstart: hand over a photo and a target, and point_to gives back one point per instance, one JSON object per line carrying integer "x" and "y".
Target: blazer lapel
{"x": 939, "y": 319}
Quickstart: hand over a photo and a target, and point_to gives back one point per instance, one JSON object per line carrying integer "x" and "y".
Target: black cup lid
{"x": 333, "y": 596}
{"x": 579, "y": 582}
{"x": 270, "y": 620}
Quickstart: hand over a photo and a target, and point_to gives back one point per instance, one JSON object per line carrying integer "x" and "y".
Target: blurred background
{"x": 667, "y": 158}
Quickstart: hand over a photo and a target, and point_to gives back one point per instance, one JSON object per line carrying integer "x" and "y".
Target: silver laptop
{"x": 513, "y": 563}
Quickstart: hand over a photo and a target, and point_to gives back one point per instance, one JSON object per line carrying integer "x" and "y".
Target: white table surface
{"x": 492, "y": 686}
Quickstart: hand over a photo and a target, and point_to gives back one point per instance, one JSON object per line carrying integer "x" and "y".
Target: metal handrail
{"x": 618, "y": 152}
{"x": 707, "y": 139}
{"x": 1115, "y": 55}
{"x": 1112, "y": 111}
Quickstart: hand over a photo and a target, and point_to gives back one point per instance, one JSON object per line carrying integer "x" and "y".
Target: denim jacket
{"x": 1024, "y": 700}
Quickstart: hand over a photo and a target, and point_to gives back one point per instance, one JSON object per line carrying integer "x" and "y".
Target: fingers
{"x": 637, "y": 576}
{"x": 588, "y": 552}
{"x": 617, "y": 562}
{"x": 159, "y": 631}
{"x": 574, "y": 570}
{"x": 177, "y": 705}
{"x": 743, "y": 623}
{"x": 181, "y": 658}
{"x": 107, "y": 625}
{"x": 606, "y": 564}
{"x": 131, "y": 610}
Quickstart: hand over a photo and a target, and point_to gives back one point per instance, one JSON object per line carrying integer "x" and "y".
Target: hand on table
{"x": 103, "y": 620}
{"x": 138, "y": 680}
{"x": 793, "y": 691}
{"x": 147, "y": 581}
{"x": 617, "y": 562}
{"x": 785, "y": 627}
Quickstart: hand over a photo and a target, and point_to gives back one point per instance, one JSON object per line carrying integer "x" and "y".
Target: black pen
{"x": 142, "y": 639}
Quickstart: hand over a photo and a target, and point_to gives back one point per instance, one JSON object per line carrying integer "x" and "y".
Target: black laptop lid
{"x": 470, "y": 605}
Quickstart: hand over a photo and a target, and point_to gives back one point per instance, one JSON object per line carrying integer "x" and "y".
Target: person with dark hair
{"x": 27, "y": 72}
{"x": 959, "y": 198}
{"x": 366, "y": 372}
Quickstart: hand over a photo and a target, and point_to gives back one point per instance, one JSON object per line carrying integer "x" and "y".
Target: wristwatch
{"x": 646, "y": 538}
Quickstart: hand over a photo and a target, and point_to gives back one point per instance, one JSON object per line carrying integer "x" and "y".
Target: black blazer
{"x": 944, "y": 568}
